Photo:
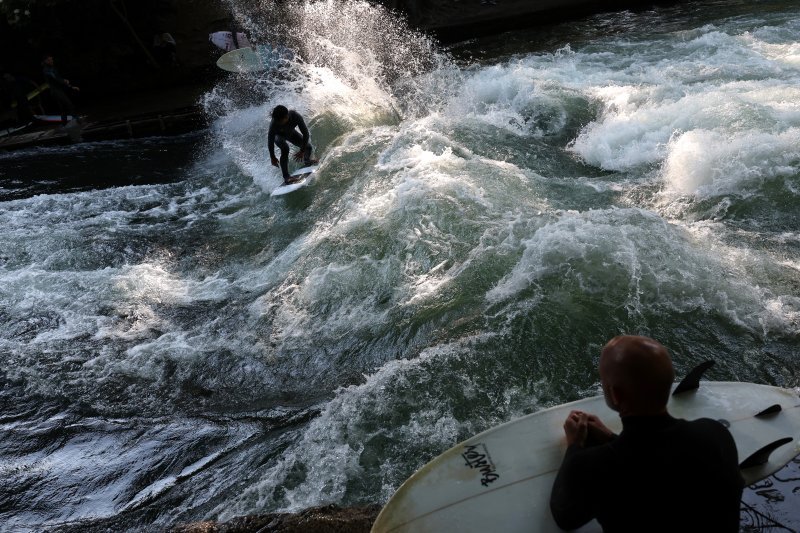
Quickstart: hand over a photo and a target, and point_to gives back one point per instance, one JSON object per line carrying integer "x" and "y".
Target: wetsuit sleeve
{"x": 271, "y": 140}
{"x": 304, "y": 130}
{"x": 570, "y": 500}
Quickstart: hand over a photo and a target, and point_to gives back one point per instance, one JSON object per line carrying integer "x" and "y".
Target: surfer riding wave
{"x": 283, "y": 130}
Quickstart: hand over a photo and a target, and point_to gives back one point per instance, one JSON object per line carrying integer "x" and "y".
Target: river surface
{"x": 177, "y": 345}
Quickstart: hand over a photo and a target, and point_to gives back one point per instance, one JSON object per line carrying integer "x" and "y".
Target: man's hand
{"x": 298, "y": 156}
{"x": 585, "y": 429}
{"x": 576, "y": 428}
{"x": 274, "y": 161}
{"x": 598, "y": 433}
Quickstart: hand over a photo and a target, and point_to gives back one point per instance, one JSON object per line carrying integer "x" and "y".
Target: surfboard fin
{"x": 771, "y": 410}
{"x": 761, "y": 456}
{"x": 692, "y": 379}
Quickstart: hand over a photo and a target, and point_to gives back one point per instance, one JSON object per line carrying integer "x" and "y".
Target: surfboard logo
{"x": 477, "y": 457}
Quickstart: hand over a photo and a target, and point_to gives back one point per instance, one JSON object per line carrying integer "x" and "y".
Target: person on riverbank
{"x": 283, "y": 130}
{"x": 60, "y": 88}
{"x": 660, "y": 473}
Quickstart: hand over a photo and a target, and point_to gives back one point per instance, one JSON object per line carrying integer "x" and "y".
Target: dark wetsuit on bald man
{"x": 283, "y": 130}
{"x": 660, "y": 474}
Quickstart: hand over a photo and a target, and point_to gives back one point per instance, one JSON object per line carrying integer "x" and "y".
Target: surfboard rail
{"x": 306, "y": 175}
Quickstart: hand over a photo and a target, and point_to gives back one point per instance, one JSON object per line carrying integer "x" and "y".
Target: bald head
{"x": 637, "y": 375}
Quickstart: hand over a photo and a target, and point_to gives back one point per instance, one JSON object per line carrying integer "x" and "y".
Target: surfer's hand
{"x": 298, "y": 156}
{"x": 576, "y": 428}
{"x": 274, "y": 161}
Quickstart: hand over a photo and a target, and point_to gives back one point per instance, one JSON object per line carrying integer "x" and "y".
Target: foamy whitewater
{"x": 177, "y": 345}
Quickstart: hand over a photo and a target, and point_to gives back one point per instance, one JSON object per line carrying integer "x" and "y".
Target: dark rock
{"x": 327, "y": 519}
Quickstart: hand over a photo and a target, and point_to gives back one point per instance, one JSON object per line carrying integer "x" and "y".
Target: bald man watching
{"x": 660, "y": 473}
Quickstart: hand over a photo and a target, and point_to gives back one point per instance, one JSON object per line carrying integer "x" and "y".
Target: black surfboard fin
{"x": 692, "y": 379}
{"x": 771, "y": 410}
{"x": 761, "y": 456}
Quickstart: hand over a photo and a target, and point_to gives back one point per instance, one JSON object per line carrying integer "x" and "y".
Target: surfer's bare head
{"x": 636, "y": 374}
{"x": 280, "y": 114}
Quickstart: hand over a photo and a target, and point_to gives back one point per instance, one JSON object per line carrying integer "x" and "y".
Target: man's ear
{"x": 615, "y": 397}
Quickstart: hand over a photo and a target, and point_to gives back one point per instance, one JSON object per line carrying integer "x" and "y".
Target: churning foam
{"x": 626, "y": 256}
{"x": 710, "y": 163}
{"x": 352, "y": 431}
{"x": 346, "y": 75}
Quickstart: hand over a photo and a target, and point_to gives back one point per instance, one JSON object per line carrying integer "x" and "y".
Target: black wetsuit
{"x": 280, "y": 134}
{"x": 659, "y": 474}
{"x": 59, "y": 89}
